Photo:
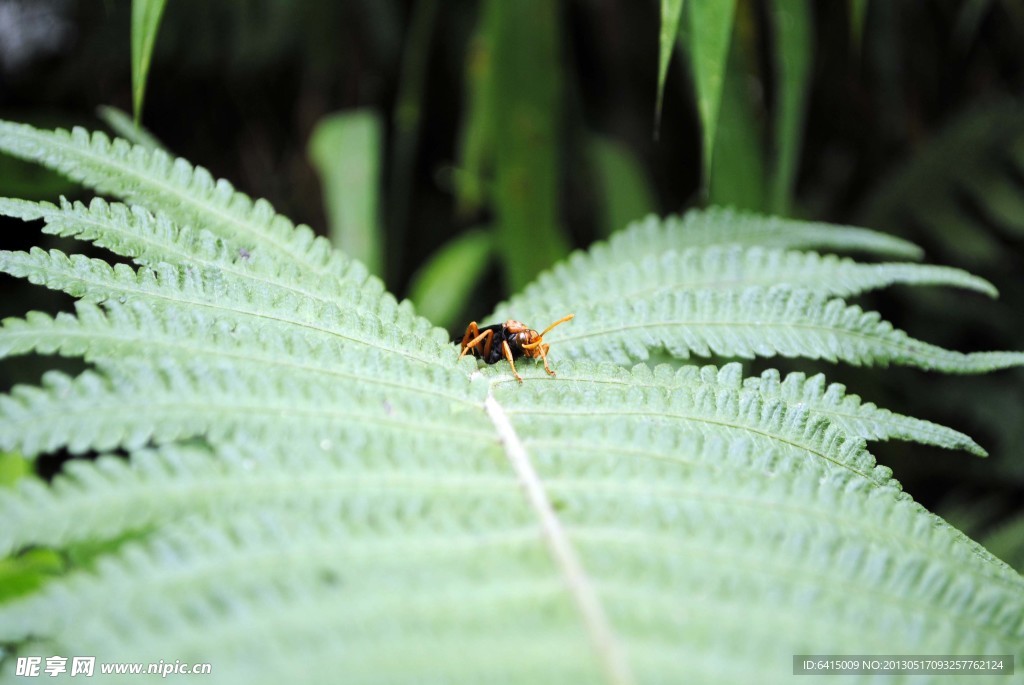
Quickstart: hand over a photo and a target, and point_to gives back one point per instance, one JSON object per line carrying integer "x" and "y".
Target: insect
{"x": 510, "y": 340}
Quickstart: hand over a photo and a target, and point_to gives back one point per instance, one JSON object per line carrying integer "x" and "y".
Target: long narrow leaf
{"x": 407, "y": 125}
{"x": 792, "y": 22}
{"x": 712, "y": 23}
{"x": 738, "y": 174}
{"x": 858, "y": 12}
{"x": 145, "y": 24}
{"x": 671, "y": 12}
{"x": 527, "y": 112}
{"x": 477, "y": 134}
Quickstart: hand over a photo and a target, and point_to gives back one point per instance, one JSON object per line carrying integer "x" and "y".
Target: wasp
{"x": 510, "y": 341}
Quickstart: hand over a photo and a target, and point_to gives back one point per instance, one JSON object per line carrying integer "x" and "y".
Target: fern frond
{"x": 116, "y": 335}
{"x": 688, "y": 414}
{"x": 688, "y": 407}
{"x": 262, "y": 295}
{"x": 856, "y": 417}
{"x": 802, "y": 394}
{"x": 153, "y": 239}
{"x": 87, "y": 412}
{"x": 290, "y": 562}
{"x": 156, "y": 241}
{"x": 731, "y": 300}
{"x": 374, "y": 321}
{"x": 312, "y": 480}
{"x": 668, "y": 414}
{"x": 111, "y": 496}
{"x": 757, "y": 321}
{"x": 720, "y": 226}
{"x": 652, "y": 556}
{"x": 172, "y": 401}
{"x": 587, "y": 278}
{"x": 186, "y": 194}
{"x": 130, "y": 231}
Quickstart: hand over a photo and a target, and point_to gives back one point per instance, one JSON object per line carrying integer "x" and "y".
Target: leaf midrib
{"x": 605, "y": 643}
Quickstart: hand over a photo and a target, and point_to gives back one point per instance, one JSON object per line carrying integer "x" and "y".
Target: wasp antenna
{"x": 565, "y": 318}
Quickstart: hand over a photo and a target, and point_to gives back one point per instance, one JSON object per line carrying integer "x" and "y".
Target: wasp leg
{"x": 487, "y": 336}
{"x": 488, "y": 341}
{"x": 508, "y": 356}
{"x": 471, "y": 332}
{"x": 543, "y": 349}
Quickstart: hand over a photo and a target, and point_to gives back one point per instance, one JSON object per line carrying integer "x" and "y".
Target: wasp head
{"x": 520, "y": 333}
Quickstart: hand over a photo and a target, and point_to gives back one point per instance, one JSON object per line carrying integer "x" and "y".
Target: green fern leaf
{"x": 156, "y": 241}
{"x": 591, "y": 276}
{"x": 857, "y": 418}
{"x": 153, "y": 239}
{"x": 188, "y": 195}
{"x": 721, "y": 226}
{"x": 129, "y": 231}
{"x": 366, "y": 316}
{"x": 753, "y": 322}
{"x": 305, "y": 477}
{"x": 832, "y": 402}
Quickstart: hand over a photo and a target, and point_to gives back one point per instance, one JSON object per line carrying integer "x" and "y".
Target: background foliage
{"x": 511, "y": 132}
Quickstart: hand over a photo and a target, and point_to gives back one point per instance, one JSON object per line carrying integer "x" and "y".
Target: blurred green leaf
{"x": 527, "y": 110}
{"x": 145, "y": 24}
{"x": 858, "y": 13}
{"x": 13, "y": 467}
{"x": 624, "y": 186}
{"x": 476, "y": 135}
{"x": 671, "y": 11}
{"x": 791, "y": 20}
{"x": 711, "y": 27}
{"x": 346, "y": 149}
{"x": 86, "y": 554}
{"x": 25, "y": 572}
{"x": 406, "y": 119}
{"x": 123, "y": 127}
{"x": 441, "y": 288}
{"x": 738, "y": 174}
